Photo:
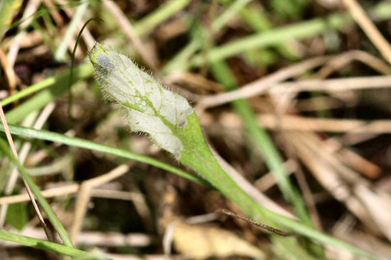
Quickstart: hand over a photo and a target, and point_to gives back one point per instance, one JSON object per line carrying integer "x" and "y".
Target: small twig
{"x": 369, "y": 28}
{"x": 253, "y": 222}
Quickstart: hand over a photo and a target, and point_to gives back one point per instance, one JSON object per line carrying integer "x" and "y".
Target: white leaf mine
{"x": 149, "y": 107}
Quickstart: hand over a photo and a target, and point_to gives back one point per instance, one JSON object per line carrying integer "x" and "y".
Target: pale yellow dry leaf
{"x": 201, "y": 242}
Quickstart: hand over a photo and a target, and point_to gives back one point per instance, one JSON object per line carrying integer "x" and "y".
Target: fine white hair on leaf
{"x": 149, "y": 107}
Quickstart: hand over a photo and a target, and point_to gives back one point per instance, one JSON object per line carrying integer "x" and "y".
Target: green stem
{"x": 263, "y": 142}
{"x": 198, "y": 156}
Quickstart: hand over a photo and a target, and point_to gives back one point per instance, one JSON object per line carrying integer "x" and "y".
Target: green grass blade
{"x": 76, "y": 18}
{"x": 57, "y": 85}
{"x": 275, "y": 37}
{"x": 181, "y": 60}
{"x": 278, "y": 36}
{"x": 8, "y": 9}
{"x": 37, "y": 193}
{"x": 255, "y": 210}
{"x": 41, "y": 244}
{"x": 146, "y": 25}
{"x": 224, "y": 18}
{"x": 259, "y": 22}
{"x": 263, "y": 142}
{"x": 172, "y": 124}
{"x": 81, "y": 143}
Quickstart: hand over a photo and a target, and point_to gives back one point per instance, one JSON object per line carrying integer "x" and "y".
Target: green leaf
{"x": 17, "y": 215}
{"x": 176, "y": 129}
{"x": 149, "y": 107}
{"x": 295, "y": 226}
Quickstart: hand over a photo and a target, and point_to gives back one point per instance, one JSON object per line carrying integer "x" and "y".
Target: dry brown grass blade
{"x": 332, "y": 63}
{"x": 287, "y": 123}
{"x": 352, "y": 159}
{"x": 369, "y": 243}
{"x": 250, "y": 189}
{"x": 333, "y": 86}
{"x": 88, "y": 38}
{"x": 194, "y": 81}
{"x": 55, "y": 14}
{"x": 142, "y": 257}
{"x": 372, "y": 207}
{"x": 322, "y": 103}
{"x": 49, "y": 234}
{"x": 8, "y": 71}
{"x": 28, "y": 17}
{"x": 378, "y": 204}
{"x": 297, "y": 123}
{"x": 49, "y": 193}
{"x": 130, "y": 33}
{"x": 369, "y": 28}
{"x": 29, "y": 192}
{"x": 262, "y": 85}
{"x": 308, "y": 124}
{"x": 84, "y": 196}
{"x": 22, "y": 157}
{"x": 72, "y": 189}
{"x": 329, "y": 178}
{"x": 340, "y": 61}
{"x": 96, "y": 238}
{"x": 268, "y": 180}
